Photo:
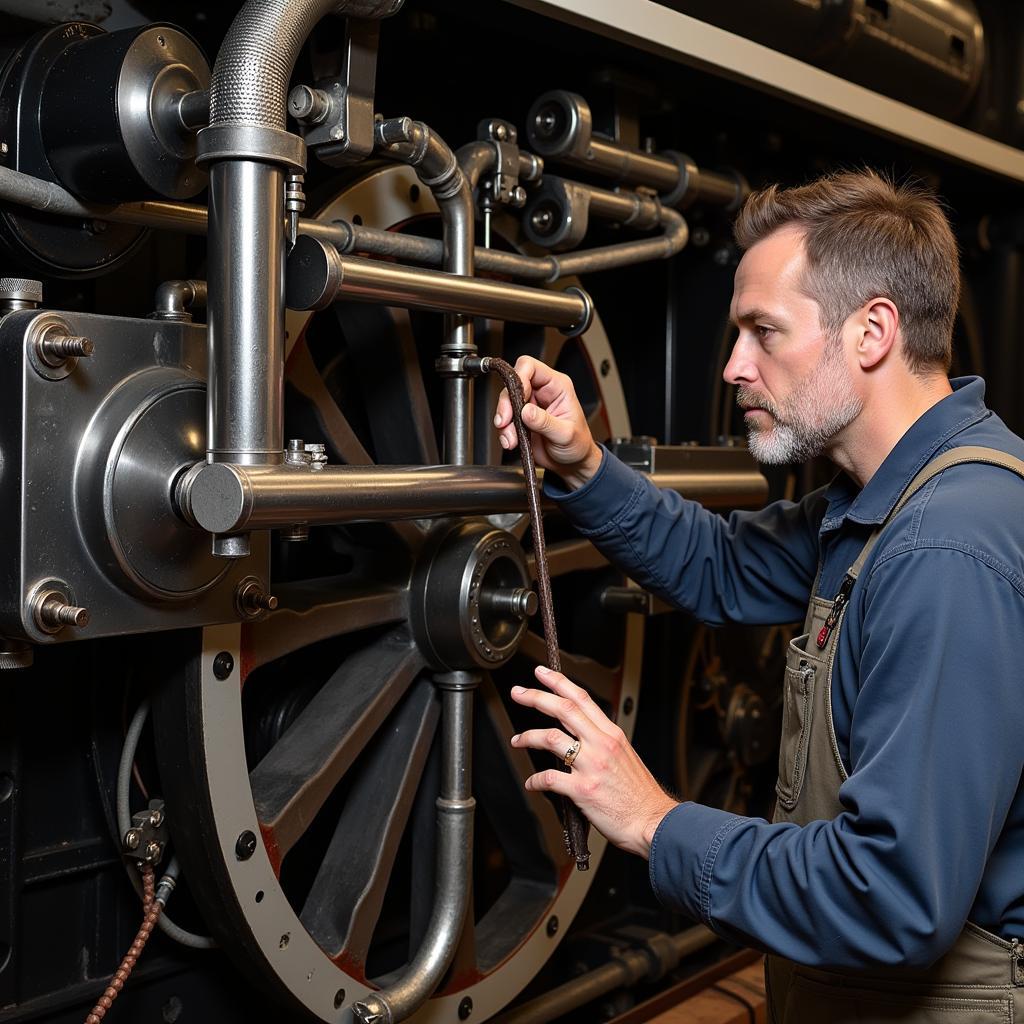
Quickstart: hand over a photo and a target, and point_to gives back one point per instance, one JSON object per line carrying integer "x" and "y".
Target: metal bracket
{"x": 337, "y": 116}
{"x": 502, "y": 186}
{"x": 146, "y": 840}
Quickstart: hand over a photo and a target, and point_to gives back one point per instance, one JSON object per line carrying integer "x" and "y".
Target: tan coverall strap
{"x": 954, "y": 457}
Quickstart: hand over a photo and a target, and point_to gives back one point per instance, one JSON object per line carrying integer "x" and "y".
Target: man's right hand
{"x": 562, "y": 441}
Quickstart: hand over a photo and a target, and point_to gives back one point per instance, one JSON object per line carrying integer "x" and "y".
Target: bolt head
{"x": 156, "y": 818}
{"x": 132, "y": 838}
{"x": 223, "y": 665}
{"x": 245, "y": 845}
{"x": 627, "y": 706}
{"x": 337, "y": 133}
{"x": 153, "y": 851}
{"x": 552, "y": 926}
{"x": 465, "y": 1008}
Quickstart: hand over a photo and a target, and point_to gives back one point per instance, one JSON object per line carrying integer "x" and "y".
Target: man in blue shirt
{"x": 890, "y": 884}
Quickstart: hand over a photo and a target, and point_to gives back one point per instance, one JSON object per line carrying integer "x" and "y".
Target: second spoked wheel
{"x": 301, "y": 753}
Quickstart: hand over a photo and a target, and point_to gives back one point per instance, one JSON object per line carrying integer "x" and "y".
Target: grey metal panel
{"x": 681, "y": 38}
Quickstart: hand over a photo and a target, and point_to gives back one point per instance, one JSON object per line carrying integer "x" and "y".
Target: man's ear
{"x": 877, "y": 323}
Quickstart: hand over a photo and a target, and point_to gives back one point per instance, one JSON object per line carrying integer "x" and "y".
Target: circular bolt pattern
{"x": 223, "y": 665}
{"x": 465, "y": 1008}
{"x": 245, "y": 845}
{"x": 552, "y": 926}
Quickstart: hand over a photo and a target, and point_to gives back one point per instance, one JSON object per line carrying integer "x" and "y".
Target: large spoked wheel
{"x": 301, "y": 753}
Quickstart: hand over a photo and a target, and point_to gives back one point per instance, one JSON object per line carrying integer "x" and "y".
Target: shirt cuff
{"x": 682, "y": 857}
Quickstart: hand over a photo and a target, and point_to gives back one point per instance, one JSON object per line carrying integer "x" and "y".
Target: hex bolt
{"x": 53, "y": 611}
{"x": 154, "y": 851}
{"x": 56, "y": 349}
{"x": 245, "y": 845}
{"x": 156, "y": 817}
{"x": 132, "y": 839}
{"x": 252, "y": 600}
{"x": 223, "y": 665}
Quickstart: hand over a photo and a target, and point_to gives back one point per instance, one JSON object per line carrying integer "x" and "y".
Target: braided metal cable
{"x": 574, "y": 825}
{"x": 151, "y": 912}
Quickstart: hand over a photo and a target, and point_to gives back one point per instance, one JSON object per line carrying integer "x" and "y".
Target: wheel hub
{"x": 471, "y": 597}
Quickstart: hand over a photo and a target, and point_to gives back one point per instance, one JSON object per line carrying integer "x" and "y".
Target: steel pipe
{"x": 455, "y": 808}
{"x": 175, "y": 299}
{"x": 319, "y": 276}
{"x": 188, "y": 218}
{"x": 437, "y": 167}
{"x": 245, "y": 313}
{"x": 661, "y": 954}
{"x": 249, "y": 150}
{"x": 227, "y": 499}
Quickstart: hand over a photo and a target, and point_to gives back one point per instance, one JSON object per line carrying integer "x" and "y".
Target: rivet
{"x": 245, "y": 845}
{"x": 223, "y": 665}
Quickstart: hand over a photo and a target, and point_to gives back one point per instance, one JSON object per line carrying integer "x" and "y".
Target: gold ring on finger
{"x": 571, "y": 753}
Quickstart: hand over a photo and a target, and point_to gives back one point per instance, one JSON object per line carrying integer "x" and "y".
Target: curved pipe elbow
{"x": 256, "y": 60}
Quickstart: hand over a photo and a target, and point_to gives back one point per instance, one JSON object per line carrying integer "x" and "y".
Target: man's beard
{"x": 804, "y": 425}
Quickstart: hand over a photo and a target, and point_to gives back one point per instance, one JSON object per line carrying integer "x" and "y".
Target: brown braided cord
{"x": 151, "y": 907}
{"x": 574, "y": 825}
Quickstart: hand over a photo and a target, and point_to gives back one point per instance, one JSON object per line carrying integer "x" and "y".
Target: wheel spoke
{"x": 525, "y": 823}
{"x": 602, "y": 682}
{"x": 338, "y": 434}
{"x": 292, "y": 782}
{"x": 569, "y": 556}
{"x": 551, "y": 348}
{"x": 383, "y": 350}
{"x": 335, "y": 429}
{"x": 345, "y": 900}
{"x": 317, "y": 610}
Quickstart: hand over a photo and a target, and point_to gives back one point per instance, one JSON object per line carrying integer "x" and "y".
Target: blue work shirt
{"x": 927, "y": 696}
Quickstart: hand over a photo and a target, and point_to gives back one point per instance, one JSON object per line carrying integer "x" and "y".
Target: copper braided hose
{"x": 574, "y": 825}
{"x": 151, "y": 907}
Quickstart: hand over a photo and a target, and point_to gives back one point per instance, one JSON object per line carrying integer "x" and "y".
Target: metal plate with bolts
{"x": 87, "y": 467}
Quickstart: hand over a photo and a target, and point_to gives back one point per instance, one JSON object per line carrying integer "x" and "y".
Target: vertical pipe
{"x": 455, "y": 807}
{"x": 457, "y": 213}
{"x": 246, "y": 313}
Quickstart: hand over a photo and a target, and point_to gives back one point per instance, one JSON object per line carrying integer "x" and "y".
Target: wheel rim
{"x": 338, "y": 782}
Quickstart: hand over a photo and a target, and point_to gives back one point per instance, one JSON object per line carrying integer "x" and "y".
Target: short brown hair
{"x": 867, "y": 236}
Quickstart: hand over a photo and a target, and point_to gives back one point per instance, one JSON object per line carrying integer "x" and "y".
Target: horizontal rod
{"x": 225, "y": 498}
{"x": 317, "y": 276}
{"x": 191, "y": 219}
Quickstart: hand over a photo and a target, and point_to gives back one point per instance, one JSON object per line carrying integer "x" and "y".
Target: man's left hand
{"x": 608, "y": 782}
